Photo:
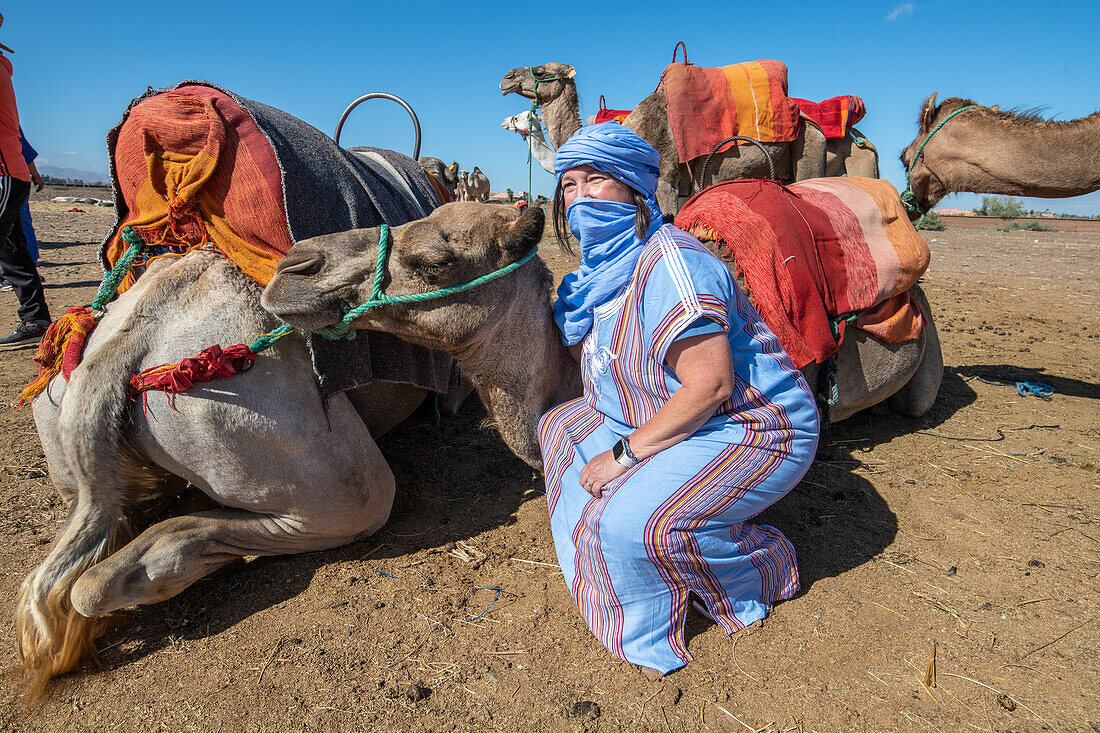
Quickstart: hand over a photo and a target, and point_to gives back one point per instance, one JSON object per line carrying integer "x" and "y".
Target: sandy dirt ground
{"x": 971, "y": 536}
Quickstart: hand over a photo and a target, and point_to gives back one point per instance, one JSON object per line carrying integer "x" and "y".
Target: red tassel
{"x": 212, "y": 363}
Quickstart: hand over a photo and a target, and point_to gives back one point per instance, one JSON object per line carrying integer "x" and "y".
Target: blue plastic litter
{"x": 1039, "y": 389}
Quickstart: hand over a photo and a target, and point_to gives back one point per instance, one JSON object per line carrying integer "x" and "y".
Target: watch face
{"x": 617, "y": 451}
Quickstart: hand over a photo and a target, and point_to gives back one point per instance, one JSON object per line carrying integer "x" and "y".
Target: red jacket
{"x": 11, "y": 152}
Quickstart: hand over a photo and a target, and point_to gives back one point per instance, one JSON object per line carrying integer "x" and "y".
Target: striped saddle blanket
{"x": 197, "y": 164}
{"x": 817, "y": 255}
{"x": 708, "y": 105}
{"x": 834, "y": 116}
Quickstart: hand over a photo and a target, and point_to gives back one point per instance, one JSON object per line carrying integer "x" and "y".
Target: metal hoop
{"x": 757, "y": 143}
{"x": 382, "y": 95}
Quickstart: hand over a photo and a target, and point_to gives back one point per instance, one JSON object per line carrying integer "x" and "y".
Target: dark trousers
{"x": 16, "y": 264}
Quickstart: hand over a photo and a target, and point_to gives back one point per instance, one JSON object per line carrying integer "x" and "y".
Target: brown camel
{"x": 445, "y": 174}
{"x": 557, "y": 93}
{"x": 987, "y": 150}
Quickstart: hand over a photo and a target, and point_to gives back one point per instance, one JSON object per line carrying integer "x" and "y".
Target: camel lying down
{"x": 289, "y": 473}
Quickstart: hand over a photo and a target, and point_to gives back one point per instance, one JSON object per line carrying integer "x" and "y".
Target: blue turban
{"x": 614, "y": 149}
{"x": 609, "y": 246}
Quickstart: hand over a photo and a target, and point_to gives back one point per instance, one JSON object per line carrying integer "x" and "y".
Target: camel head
{"x": 457, "y": 243}
{"x": 552, "y": 80}
{"x": 926, "y": 187}
{"x": 464, "y": 175}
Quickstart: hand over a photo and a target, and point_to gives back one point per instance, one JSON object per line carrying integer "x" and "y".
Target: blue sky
{"x": 77, "y": 64}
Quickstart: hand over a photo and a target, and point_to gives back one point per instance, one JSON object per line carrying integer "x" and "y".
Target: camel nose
{"x": 303, "y": 262}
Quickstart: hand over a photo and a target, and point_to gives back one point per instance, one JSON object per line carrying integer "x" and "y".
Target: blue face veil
{"x": 609, "y": 245}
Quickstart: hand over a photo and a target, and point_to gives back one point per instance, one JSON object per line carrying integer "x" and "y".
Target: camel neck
{"x": 1020, "y": 157}
{"x": 562, "y": 114}
{"x": 520, "y": 366}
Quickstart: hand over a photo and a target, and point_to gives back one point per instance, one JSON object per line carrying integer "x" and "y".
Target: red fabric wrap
{"x": 806, "y": 258}
{"x": 211, "y": 363}
{"x": 834, "y": 116}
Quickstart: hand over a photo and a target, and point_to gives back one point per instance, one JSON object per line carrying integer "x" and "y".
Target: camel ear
{"x": 570, "y": 73}
{"x": 928, "y": 111}
{"x": 522, "y": 235}
{"x": 996, "y": 108}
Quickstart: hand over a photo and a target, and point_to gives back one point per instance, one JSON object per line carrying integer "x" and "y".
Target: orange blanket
{"x": 194, "y": 167}
{"x": 706, "y": 106}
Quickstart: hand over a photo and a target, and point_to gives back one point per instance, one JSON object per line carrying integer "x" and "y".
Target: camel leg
{"x": 171, "y": 555}
{"x": 919, "y": 393}
{"x": 47, "y": 415}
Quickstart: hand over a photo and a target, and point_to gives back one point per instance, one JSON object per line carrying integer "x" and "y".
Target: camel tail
{"x": 53, "y": 637}
{"x": 53, "y": 634}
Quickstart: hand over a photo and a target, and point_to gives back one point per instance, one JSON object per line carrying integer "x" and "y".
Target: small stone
{"x": 671, "y": 696}
{"x": 585, "y": 709}
{"x": 417, "y": 692}
{"x": 910, "y": 481}
{"x": 1007, "y": 703}
{"x": 379, "y": 604}
{"x": 449, "y": 546}
{"x": 1036, "y": 564}
{"x": 490, "y": 677}
{"x": 952, "y": 570}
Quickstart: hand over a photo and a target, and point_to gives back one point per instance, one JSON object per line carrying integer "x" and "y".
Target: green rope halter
{"x": 344, "y": 330}
{"x": 109, "y": 287}
{"x": 908, "y": 199}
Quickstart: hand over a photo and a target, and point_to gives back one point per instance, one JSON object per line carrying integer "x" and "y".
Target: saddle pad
{"x": 834, "y": 116}
{"x": 815, "y": 251}
{"x": 708, "y": 105}
{"x": 195, "y": 163}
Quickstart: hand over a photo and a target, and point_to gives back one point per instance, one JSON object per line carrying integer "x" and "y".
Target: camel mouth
{"x": 301, "y": 308}
{"x": 307, "y": 317}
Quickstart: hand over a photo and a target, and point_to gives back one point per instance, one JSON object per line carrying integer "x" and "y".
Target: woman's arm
{"x": 704, "y": 366}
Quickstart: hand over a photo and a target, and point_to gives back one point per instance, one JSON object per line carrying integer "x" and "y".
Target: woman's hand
{"x": 600, "y": 471}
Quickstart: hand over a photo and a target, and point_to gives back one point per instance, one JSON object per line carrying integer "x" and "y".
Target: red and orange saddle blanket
{"x": 834, "y": 116}
{"x": 610, "y": 115}
{"x": 708, "y": 105}
{"x": 817, "y": 255}
{"x": 196, "y": 165}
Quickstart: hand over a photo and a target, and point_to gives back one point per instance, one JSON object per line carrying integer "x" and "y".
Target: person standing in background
{"x": 16, "y": 264}
{"x": 29, "y": 155}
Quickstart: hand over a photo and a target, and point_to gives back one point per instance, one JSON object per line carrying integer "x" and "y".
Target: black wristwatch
{"x": 623, "y": 455}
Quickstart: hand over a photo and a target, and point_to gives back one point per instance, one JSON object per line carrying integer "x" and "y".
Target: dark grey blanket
{"x": 328, "y": 189}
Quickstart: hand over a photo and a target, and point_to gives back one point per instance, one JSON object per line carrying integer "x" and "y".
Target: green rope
{"x": 908, "y": 198}
{"x": 344, "y": 330}
{"x": 118, "y": 273}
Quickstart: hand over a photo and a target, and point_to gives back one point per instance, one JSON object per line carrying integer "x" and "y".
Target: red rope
{"x": 211, "y": 363}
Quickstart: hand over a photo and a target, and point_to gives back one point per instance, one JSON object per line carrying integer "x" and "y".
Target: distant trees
{"x": 1003, "y": 206}
{"x": 55, "y": 181}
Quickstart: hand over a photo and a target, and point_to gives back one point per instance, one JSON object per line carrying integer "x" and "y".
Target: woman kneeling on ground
{"x": 693, "y": 419}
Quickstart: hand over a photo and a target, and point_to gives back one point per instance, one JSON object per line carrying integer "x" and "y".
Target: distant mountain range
{"x": 86, "y": 176}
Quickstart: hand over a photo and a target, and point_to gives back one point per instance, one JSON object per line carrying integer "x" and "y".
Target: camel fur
{"x": 988, "y": 150}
